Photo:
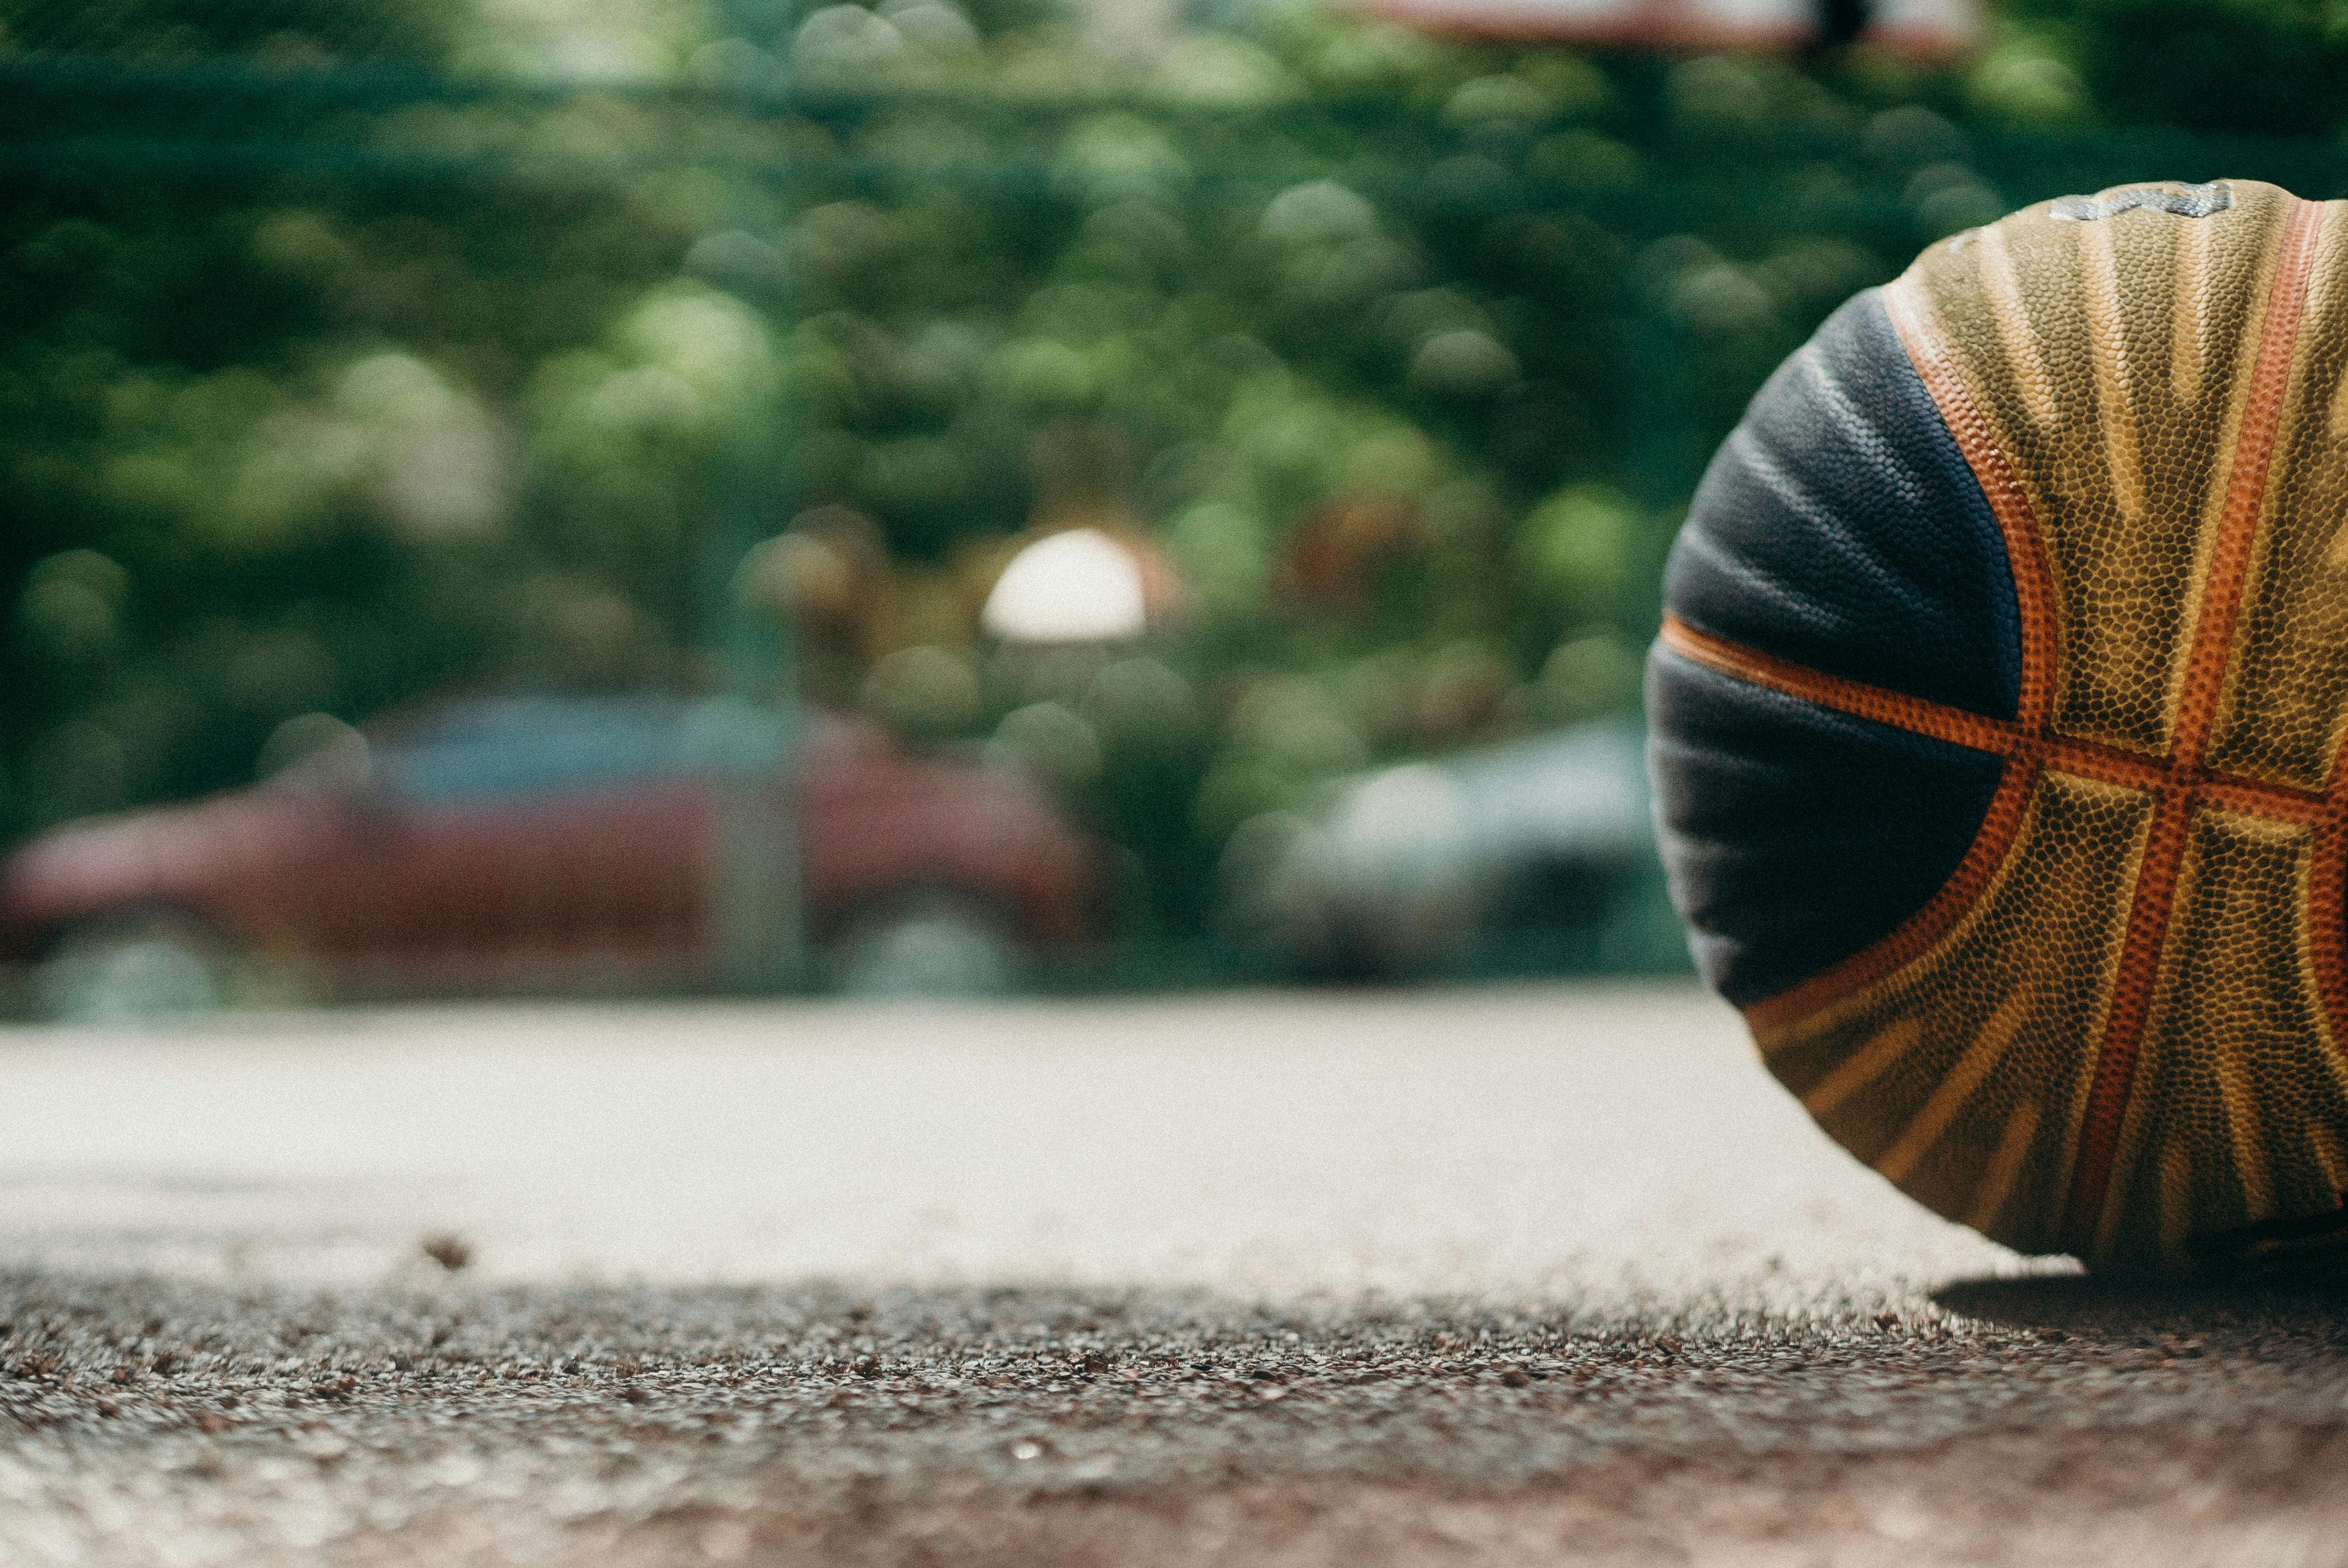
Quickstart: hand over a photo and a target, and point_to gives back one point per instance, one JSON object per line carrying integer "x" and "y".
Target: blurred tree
{"x": 2261, "y": 67}
{"x": 1401, "y": 350}
{"x": 277, "y": 32}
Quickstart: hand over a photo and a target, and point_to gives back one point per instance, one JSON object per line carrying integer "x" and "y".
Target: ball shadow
{"x": 2302, "y": 1303}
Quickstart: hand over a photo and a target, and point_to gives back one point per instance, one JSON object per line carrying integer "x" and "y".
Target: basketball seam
{"x": 2027, "y": 756}
{"x": 1975, "y": 732}
{"x": 2002, "y": 487}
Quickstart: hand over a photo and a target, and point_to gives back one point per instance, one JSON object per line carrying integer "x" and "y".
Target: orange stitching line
{"x": 2027, "y": 755}
{"x": 2131, "y": 1005}
{"x": 1897, "y": 708}
{"x": 2237, "y": 525}
{"x": 2009, "y": 503}
{"x": 2212, "y": 649}
{"x": 2258, "y": 798}
{"x": 2090, "y": 759}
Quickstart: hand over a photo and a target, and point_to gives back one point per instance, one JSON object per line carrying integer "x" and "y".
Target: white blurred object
{"x": 1080, "y": 586}
{"x": 1928, "y": 27}
{"x": 315, "y": 750}
{"x": 133, "y": 971}
{"x": 439, "y": 460}
{"x": 940, "y": 946}
{"x": 1131, "y": 32}
{"x": 1396, "y": 871}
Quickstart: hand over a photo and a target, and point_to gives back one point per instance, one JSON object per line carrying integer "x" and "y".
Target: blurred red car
{"x": 549, "y": 842}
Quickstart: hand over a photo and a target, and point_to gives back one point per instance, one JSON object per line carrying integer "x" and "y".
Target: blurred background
{"x": 944, "y": 495}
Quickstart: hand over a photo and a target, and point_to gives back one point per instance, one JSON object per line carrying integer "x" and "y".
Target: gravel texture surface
{"x": 1494, "y": 1278}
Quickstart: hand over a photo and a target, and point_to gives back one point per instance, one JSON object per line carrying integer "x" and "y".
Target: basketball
{"x": 1995, "y": 724}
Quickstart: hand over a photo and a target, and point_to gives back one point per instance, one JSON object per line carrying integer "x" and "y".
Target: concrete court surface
{"x": 1526, "y": 1276}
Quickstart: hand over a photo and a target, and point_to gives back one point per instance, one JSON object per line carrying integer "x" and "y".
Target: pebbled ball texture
{"x": 1996, "y": 725}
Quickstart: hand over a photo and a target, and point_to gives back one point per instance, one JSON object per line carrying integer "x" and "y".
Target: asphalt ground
{"x": 1532, "y": 1275}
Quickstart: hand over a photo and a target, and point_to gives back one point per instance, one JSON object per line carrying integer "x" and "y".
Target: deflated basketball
{"x": 1997, "y": 718}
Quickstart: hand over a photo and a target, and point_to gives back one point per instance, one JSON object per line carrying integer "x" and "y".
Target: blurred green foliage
{"x": 349, "y": 352}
